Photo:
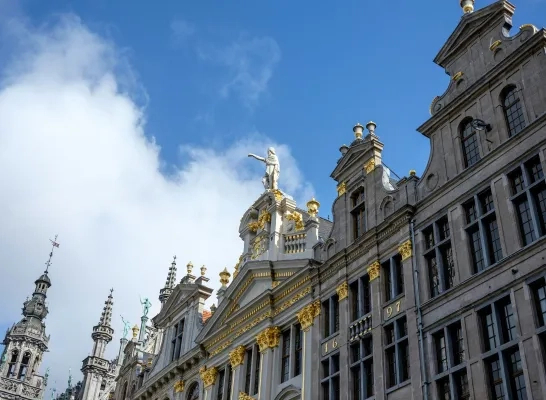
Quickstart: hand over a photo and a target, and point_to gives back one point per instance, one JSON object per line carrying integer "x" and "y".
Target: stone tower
{"x": 95, "y": 367}
{"x": 25, "y": 344}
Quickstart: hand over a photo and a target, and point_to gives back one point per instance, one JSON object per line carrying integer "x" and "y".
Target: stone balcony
{"x": 19, "y": 389}
{"x": 361, "y": 327}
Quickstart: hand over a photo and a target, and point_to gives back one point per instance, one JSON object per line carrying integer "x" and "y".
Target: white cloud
{"x": 75, "y": 160}
{"x": 181, "y": 30}
{"x": 250, "y": 62}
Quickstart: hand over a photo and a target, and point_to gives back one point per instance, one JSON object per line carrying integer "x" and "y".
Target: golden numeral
{"x": 334, "y": 344}
{"x": 398, "y": 306}
{"x": 325, "y": 347}
{"x": 389, "y": 311}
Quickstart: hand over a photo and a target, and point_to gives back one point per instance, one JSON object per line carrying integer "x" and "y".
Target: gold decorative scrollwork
{"x": 278, "y": 194}
{"x": 342, "y": 291}
{"x": 208, "y": 375}
{"x": 237, "y": 266}
{"x": 269, "y": 338}
{"x": 264, "y": 218}
{"x": 369, "y": 166}
{"x": 494, "y": 45}
{"x": 341, "y": 188}
{"x": 237, "y": 356}
{"x": 306, "y": 316}
{"x": 373, "y": 270}
{"x": 297, "y": 218}
{"x": 457, "y": 76}
{"x": 244, "y": 396}
{"x": 179, "y": 386}
{"x": 258, "y": 247}
{"x": 405, "y": 250}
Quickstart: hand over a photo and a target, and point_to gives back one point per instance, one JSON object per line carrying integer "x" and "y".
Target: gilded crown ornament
{"x": 306, "y": 316}
{"x": 135, "y": 331}
{"x": 313, "y": 207}
{"x": 237, "y": 356}
{"x": 208, "y": 375}
{"x": 224, "y": 277}
{"x": 269, "y": 338}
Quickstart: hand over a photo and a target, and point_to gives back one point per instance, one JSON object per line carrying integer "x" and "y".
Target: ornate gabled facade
{"x": 421, "y": 288}
{"x": 25, "y": 344}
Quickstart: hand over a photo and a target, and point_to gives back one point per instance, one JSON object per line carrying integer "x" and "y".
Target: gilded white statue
{"x": 272, "y": 169}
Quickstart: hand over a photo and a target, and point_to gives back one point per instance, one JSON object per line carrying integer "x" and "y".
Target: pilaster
{"x": 236, "y": 358}
{"x": 267, "y": 340}
{"x": 310, "y": 350}
{"x": 208, "y": 377}
{"x": 377, "y": 330}
{"x": 343, "y": 292}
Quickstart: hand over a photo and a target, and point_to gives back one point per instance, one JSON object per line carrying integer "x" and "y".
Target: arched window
{"x": 24, "y": 365}
{"x": 513, "y": 113}
{"x": 193, "y": 393}
{"x": 469, "y": 140}
{"x": 12, "y": 362}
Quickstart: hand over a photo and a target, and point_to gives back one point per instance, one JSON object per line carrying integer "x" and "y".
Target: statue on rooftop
{"x": 126, "y": 327}
{"x": 145, "y": 306}
{"x": 272, "y": 169}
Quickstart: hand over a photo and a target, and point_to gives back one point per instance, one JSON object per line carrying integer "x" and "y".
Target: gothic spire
{"x": 106, "y": 316}
{"x": 169, "y": 284}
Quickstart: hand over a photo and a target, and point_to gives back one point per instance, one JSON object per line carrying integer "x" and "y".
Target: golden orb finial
{"x": 313, "y": 207}
{"x": 135, "y": 330}
{"x": 224, "y": 277}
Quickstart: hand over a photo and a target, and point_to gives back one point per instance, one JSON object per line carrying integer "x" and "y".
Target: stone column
{"x": 267, "y": 340}
{"x": 236, "y": 358}
{"x": 310, "y": 350}
{"x": 208, "y": 376}
{"x": 343, "y": 298}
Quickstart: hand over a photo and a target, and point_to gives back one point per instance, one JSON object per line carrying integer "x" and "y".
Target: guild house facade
{"x": 427, "y": 287}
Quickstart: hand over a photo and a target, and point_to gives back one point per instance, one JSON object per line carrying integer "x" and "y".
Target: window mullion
{"x": 440, "y": 269}
{"x": 534, "y": 214}
{"x": 483, "y": 241}
{"x": 497, "y": 325}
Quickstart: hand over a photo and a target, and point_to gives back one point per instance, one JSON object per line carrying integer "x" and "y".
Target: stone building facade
{"x": 421, "y": 288}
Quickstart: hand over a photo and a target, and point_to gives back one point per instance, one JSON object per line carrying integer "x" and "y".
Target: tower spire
{"x": 169, "y": 284}
{"x": 106, "y": 316}
{"x": 53, "y": 245}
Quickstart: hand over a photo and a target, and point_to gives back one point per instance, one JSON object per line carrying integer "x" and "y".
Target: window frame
{"x": 291, "y": 332}
{"x": 330, "y": 307}
{"x": 472, "y": 136}
{"x": 332, "y": 377}
{"x": 177, "y": 339}
{"x": 436, "y": 251}
{"x": 527, "y": 193}
{"x": 363, "y": 365}
{"x": 358, "y": 207}
{"x": 358, "y": 298}
{"x": 480, "y": 224}
{"x": 393, "y": 270}
{"x": 398, "y": 342}
{"x": 518, "y": 102}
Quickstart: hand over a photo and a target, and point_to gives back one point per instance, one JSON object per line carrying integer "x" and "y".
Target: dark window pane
{"x": 476, "y": 247}
{"x": 443, "y": 229}
{"x": 513, "y": 112}
{"x": 471, "y": 153}
{"x": 493, "y": 240}
{"x": 516, "y": 179}
{"x": 433, "y": 276}
{"x": 526, "y": 227}
{"x": 448, "y": 266}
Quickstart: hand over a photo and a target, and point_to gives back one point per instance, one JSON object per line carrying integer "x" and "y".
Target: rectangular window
{"x": 176, "y": 342}
{"x": 298, "y": 349}
{"x": 330, "y": 316}
{"x": 248, "y": 370}
{"x": 360, "y": 297}
{"x": 397, "y": 352}
{"x": 529, "y": 199}
{"x": 439, "y": 256}
{"x": 330, "y": 378}
{"x": 358, "y": 213}
{"x": 257, "y": 373}
{"x": 285, "y": 360}
{"x": 220, "y": 389}
{"x": 361, "y": 364}
{"x": 450, "y": 359}
{"x": 539, "y": 296}
{"x": 482, "y": 231}
{"x": 503, "y": 363}
{"x": 394, "y": 277}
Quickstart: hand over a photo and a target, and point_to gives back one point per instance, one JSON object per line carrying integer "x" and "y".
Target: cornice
{"x": 470, "y": 95}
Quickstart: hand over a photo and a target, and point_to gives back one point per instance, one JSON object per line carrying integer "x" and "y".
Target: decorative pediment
{"x": 354, "y": 155}
{"x": 178, "y": 296}
{"x": 470, "y": 25}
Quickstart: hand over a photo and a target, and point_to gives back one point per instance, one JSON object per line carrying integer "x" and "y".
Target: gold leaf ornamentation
{"x": 457, "y": 76}
{"x": 278, "y": 194}
{"x": 297, "y": 218}
{"x": 306, "y": 316}
{"x": 373, "y": 270}
{"x": 313, "y": 207}
{"x": 244, "y": 396}
{"x": 269, "y": 338}
{"x": 405, "y": 250}
{"x": 237, "y": 356}
{"x": 342, "y": 291}
{"x": 494, "y": 45}
{"x": 341, "y": 188}
{"x": 208, "y": 375}
{"x": 179, "y": 386}
{"x": 369, "y": 166}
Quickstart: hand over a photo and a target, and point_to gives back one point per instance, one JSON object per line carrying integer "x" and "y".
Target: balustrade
{"x": 294, "y": 243}
{"x": 360, "y": 327}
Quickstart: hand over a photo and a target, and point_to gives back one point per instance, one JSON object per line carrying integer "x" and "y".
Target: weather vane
{"x": 54, "y": 244}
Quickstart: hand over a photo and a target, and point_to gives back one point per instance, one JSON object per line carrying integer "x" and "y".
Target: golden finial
{"x": 467, "y": 6}
{"x": 412, "y": 172}
{"x": 135, "y": 331}
{"x": 357, "y": 129}
{"x": 189, "y": 267}
{"x": 203, "y": 270}
{"x": 224, "y": 277}
{"x": 313, "y": 207}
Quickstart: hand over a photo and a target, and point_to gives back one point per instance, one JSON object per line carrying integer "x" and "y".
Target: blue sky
{"x": 212, "y": 73}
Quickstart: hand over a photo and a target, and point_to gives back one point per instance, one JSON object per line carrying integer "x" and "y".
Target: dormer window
{"x": 176, "y": 341}
{"x": 469, "y": 140}
{"x": 358, "y": 213}
{"x": 513, "y": 112}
